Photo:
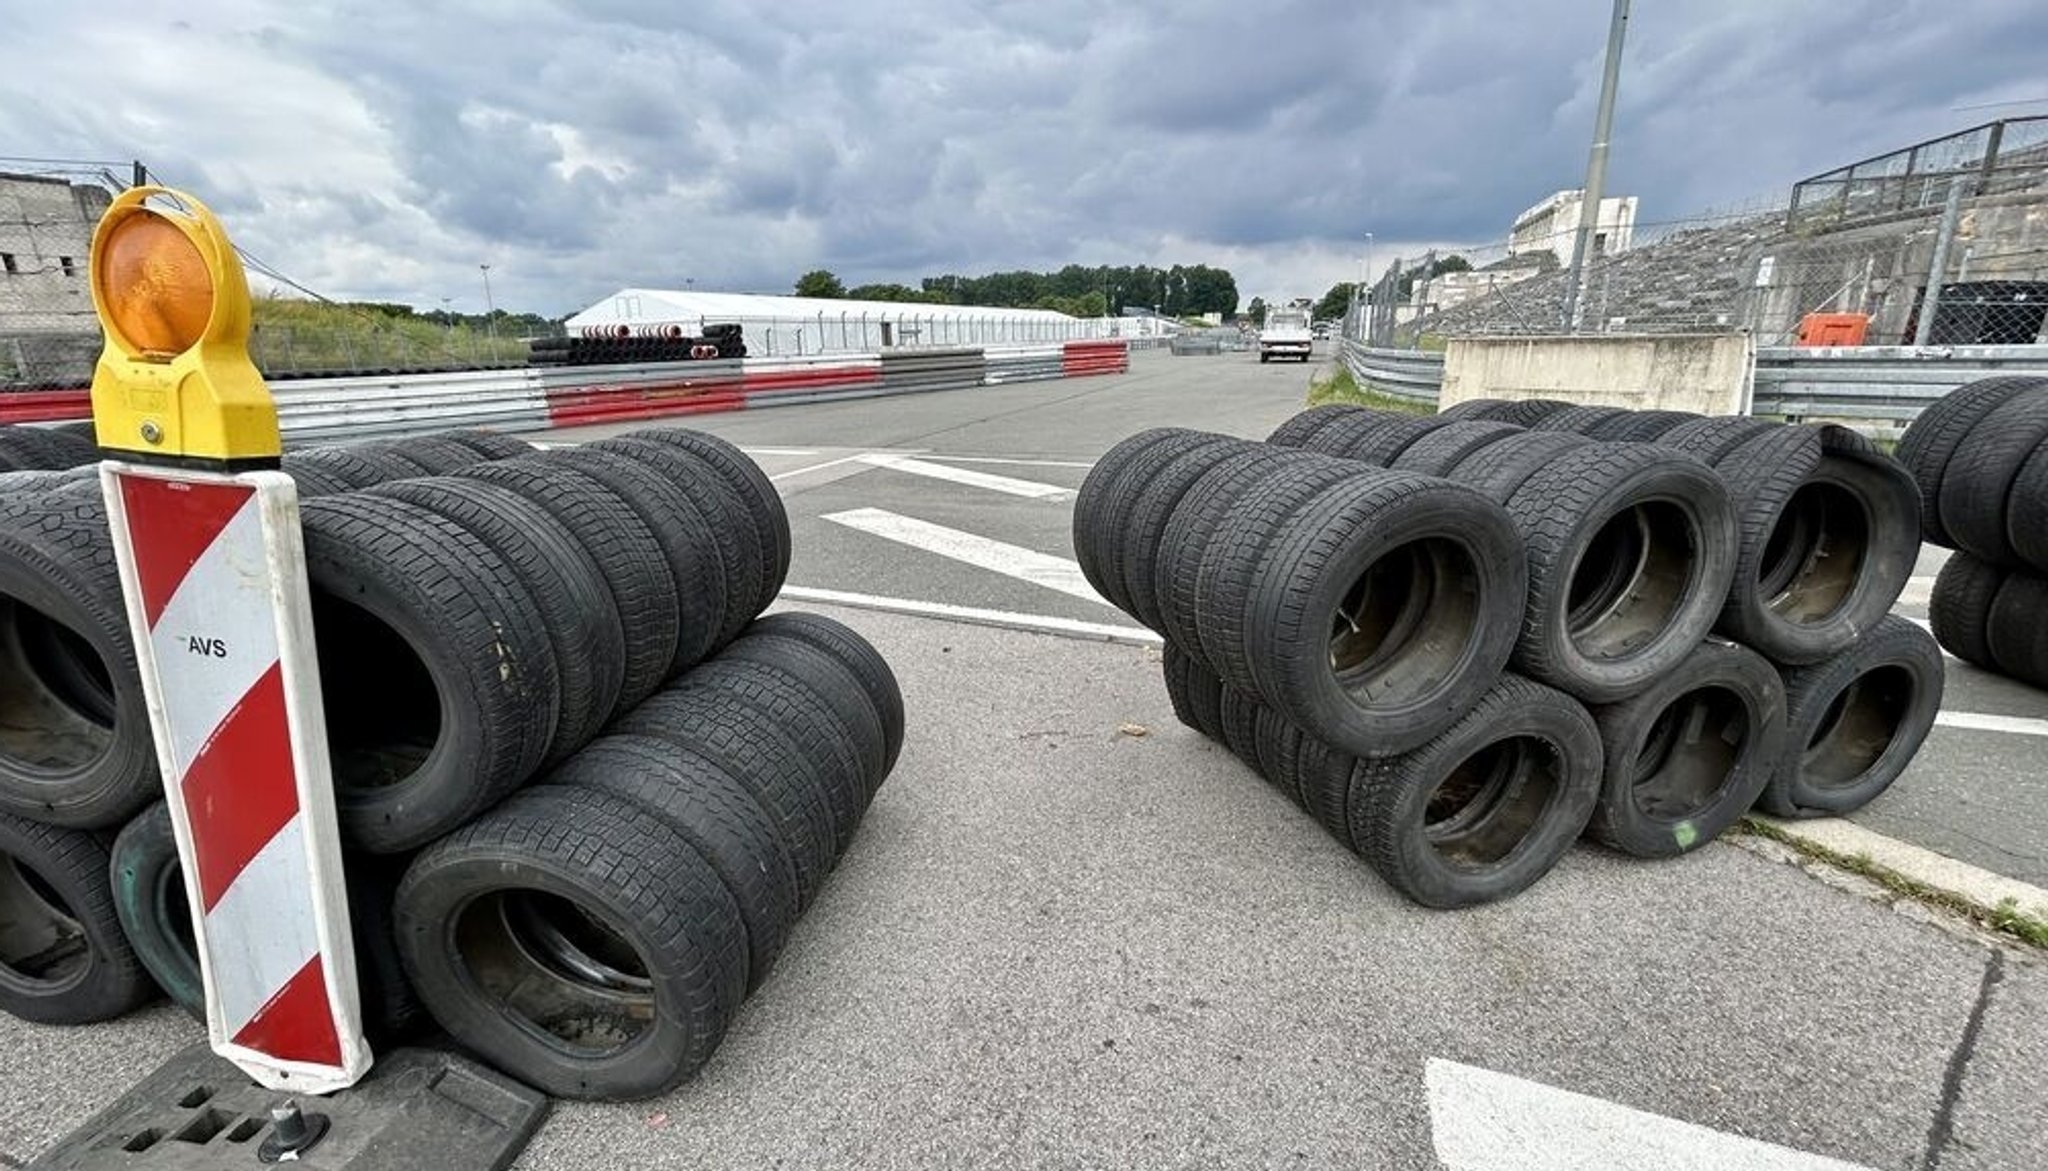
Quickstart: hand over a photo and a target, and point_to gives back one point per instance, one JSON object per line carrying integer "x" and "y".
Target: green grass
{"x": 2006, "y": 918}
{"x": 293, "y": 335}
{"x": 1339, "y": 387}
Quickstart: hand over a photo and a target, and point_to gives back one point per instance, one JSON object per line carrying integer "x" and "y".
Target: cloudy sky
{"x": 384, "y": 150}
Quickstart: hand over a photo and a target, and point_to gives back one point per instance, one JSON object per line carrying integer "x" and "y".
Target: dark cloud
{"x": 383, "y": 150}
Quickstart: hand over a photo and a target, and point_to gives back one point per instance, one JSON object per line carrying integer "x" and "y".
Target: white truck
{"x": 1285, "y": 334}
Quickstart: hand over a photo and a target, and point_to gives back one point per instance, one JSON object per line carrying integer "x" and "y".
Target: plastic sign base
{"x": 421, "y": 1109}
{"x": 214, "y": 575}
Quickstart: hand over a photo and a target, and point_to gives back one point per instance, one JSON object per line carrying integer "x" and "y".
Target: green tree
{"x": 1257, "y": 312}
{"x": 1335, "y": 303}
{"x": 819, "y": 282}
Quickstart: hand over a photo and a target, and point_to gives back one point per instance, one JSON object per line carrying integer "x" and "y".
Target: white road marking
{"x": 1054, "y": 573}
{"x": 779, "y": 450}
{"x": 1918, "y": 592}
{"x": 973, "y": 479}
{"x": 1973, "y": 884}
{"x": 1986, "y": 722}
{"x": 1486, "y": 1121}
{"x": 830, "y": 463}
{"x": 1022, "y": 463}
{"x": 975, "y": 615}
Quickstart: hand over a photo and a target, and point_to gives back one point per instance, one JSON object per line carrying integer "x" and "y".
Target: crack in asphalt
{"x": 1941, "y": 1132}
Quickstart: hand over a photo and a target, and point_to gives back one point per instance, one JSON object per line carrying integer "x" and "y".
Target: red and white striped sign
{"x": 214, "y": 574}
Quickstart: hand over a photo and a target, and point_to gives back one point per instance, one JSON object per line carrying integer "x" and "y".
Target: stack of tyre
{"x": 1462, "y": 641}
{"x": 723, "y": 340}
{"x": 584, "y": 789}
{"x": 1980, "y": 456}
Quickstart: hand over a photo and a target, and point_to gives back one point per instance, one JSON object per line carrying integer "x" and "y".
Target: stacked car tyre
{"x": 1980, "y": 455}
{"x": 1688, "y": 619}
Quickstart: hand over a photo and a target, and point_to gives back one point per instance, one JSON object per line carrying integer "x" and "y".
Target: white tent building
{"x": 794, "y": 326}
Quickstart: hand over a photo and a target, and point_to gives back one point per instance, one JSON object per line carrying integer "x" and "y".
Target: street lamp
{"x": 490, "y": 306}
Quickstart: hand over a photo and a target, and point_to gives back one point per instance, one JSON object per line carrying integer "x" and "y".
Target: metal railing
{"x": 1866, "y": 384}
{"x": 2010, "y": 154}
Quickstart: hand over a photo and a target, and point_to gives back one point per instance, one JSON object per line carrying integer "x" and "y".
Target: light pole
{"x": 1365, "y": 287}
{"x": 490, "y": 306}
{"x": 1596, "y": 168}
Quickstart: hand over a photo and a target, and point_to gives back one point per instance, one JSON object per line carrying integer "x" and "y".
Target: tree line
{"x": 1103, "y": 290}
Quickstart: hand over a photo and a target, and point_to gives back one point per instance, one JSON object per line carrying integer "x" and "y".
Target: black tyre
{"x": 1686, "y": 758}
{"x": 1342, "y": 435}
{"x": 857, "y": 655}
{"x": 635, "y": 571}
{"x": 1497, "y": 470}
{"x": 1581, "y": 420}
{"x": 822, "y": 733}
{"x": 1200, "y": 690}
{"x": 767, "y": 749}
{"x": 1202, "y": 512}
{"x": 1960, "y": 609}
{"x": 692, "y": 549}
{"x": 63, "y": 959}
{"x": 70, "y": 448}
{"x": 491, "y": 444}
{"x": 1707, "y": 440}
{"x": 1470, "y": 409}
{"x": 1298, "y": 430}
{"x": 2016, "y": 630}
{"x": 576, "y": 608}
{"x": 746, "y": 556}
{"x": 1385, "y": 611}
{"x": 2026, "y": 511}
{"x": 313, "y": 480}
{"x": 1856, "y": 721}
{"x": 1979, "y": 479}
{"x": 1640, "y": 426}
{"x": 75, "y": 744}
{"x": 716, "y": 814}
{"x": 441, "y": 455}
{"x": 1174, "y": 666}
{"x": 1826, "y": 541}
{"x": 440, "y": 685}
{"x": 1485, "y": 808}
{"x": 1442, "y": 450}
{"x": 1102, "y": 507}
{"x": 1931, "y": 442}
{"x": 1138, "y": 552}
{"x": 1324, "y": 776}
{"x": 151, "y": 902}
{"x": 1238, "y": 716}
{"x": 803, "y": 664}
{"x": 390, "y": 460}
{"x": 575, "y": 943}
{"x": 1277, "y": 744}
{"x": 1630, "y": 551}
{"x": 30, "y": 448}
{"x": 1521, "y": 412}
{"x": 337, "y": 464}
{"x": 753, "y": 487}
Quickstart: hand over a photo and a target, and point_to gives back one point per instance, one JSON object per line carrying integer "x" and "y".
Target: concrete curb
{"x": 1972, "y": 885}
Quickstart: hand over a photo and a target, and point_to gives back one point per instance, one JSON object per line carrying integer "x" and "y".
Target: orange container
{"x": 1833, "y": 329}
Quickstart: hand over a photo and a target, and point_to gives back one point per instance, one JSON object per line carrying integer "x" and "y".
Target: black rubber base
{"x": 417, "y": 1108}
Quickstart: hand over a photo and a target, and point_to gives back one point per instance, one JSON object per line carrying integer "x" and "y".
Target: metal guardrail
{"x": 1868, "y": 384}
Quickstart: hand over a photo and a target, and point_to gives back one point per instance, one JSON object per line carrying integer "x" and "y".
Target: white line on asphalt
{"x": 1973, "y": 884}
{"x": 1006, "y": 619}
{"x": 1918, "y": 592}
{"x": 1022, "y": 463}
{"x": 1054, "y": 573}
{"x": 830, "y": 463}
{"x": 973, "y": 479}
{"x": 1986, "y": 722}
{"x": 779, "y": 450}
{"x": 1486, "y": 1121}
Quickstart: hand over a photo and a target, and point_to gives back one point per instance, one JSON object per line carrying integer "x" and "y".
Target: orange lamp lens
{"x": 158, "y": 291}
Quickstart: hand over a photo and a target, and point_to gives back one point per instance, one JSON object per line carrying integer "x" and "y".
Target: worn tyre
{"x": 1442, "y": 450}
{"x": 1525, "y": 412}
{"x": 2026, "y": 512}
{"x": 1630, "y": 551}
{"x": 1200, "y": 690}
{"x": 1105, "y": 508}
{"x": 575, "y": 943}
{"x": 1201, "y": 514}
{"x": 1303, "y": 426}
{"x": 1385, "y": 611}
{"x": 1486, "y": 807}
{"x": 1152, "y": 514}
{"x": 1497, "y": 470}
{"x": 1977, "y": 485}
{"x": 577, "y": 611}
{"x": 716, "y": 814}
{"x": 1826, "y": 541}
{"x": 696, "y": 562}
{"x": 745, "y": 554}
{"x": 1349, "y": 436}
{"x": 804, "y": 664}
{"x": 2016, "y": 629}
{"x": 821, "y": 731}
{"x": 1640, "y": 426}
{"x": 1686, "y": 758}
{"x": 756, "y": 493}
{"x": 1931, "y": 442}
{"x": 1960, "y": 609}
{"x": 336, "y": 465}
{"x": 440, "y": 684}
{"x": 1581, "y": 420}
{"x": 75, "y": 743}
{"x": 1707, "y": 440}
{"x": 63, "y": 959}
{"x": 441, "y": 455}
{"x": 1856, "y": 721}
{"x": 857, "y": 655}
{"x": 491, "y": 444}
{"x": 390, "y": 460}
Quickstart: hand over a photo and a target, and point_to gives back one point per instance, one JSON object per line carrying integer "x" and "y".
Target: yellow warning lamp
{"x": 175, "y": 383}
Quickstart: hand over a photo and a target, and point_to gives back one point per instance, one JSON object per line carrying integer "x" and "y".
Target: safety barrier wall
{"x": 533, "y": 398}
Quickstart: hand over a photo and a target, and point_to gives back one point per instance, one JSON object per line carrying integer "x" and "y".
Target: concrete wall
{"x": 1707, "y": 373}
{"x": 45, "y": 237}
